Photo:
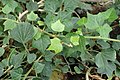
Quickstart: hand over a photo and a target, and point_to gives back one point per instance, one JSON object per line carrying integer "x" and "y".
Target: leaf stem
{"x": 25, "y": 47}
{"x": 48, "y": 33}
{"x": 87, "y": 37}
{"x": 103, "y": 38}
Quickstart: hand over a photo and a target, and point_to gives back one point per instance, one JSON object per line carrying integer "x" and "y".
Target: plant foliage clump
{"x": 52, "y": 40}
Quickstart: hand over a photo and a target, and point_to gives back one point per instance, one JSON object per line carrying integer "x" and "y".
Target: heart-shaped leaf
{"x": 58, "y": 26}
{"x": 31, "y": 58}
{"x": 9, "y": 24}
{"x": 32, "y": 16}
{"x": 101, "y": 61}
{"x": 75, "y": 40}
{"x": 104, "y": 30}
{"x": 38, "y": 67}
{"x": 42, "y": 43}
{"x": 56, "y": 45}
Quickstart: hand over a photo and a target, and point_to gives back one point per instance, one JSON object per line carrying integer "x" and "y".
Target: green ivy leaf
{"x": 4, "y": 63}
{"x": 58, "y": 61}
{"x": 117, "y": 72}
{"x": 31, "y": 58}
{"x": 79, "y": 31}
{"x": 77, "y": 70}
{"x": 85, "y": 6}
{"x": 6, "y": 9}
{"x": 1, "y": 51}
{"x": 104, "y": 44}
{"x": 56, "y": 45}
{"x": 9, "y": 24}
{"x": 82, "y": 43}
{"x": 65, "y": 69}
{"x": 16, "y": 60}
{"x": 63, "y": 15}
{"x": 1, "y": 72}
{"x": 104, "y": 30}
{"x": 102, "y": 58}
{"x": 47, "y": 71}
{"x": 38, "y": 67}
{"x": 10, "y": 7}
{"x": 23, "y": 32}
{"x": 82, "y": 21}
{"x": 113, "y": 15}
{"x": 19, "y": 8}
{"x": 107, "y": 69}
{"x": 16, "y": 73}
{"x": 49, "y": 56}
{"x": 70, "y": 5}
{"x": 32, "y": 16}
{"x": 99, "y": 19}
{"x": 37, "y": 33}
{"x": 40, "y": 23}
{"x": 116, "y": 45}
{"x": 51, "y": 6}
{"x": 57, "y": 26}
{"x": 93, "y": 19}
{"x": 50, "y": 19}
{"x": 67, "y": 20}
{"x": 32, "y": 6}
{"x": 75, "y": 40}
{"x": 6, "y": 1}
{"x": 107, "y": 54}
{"x": 42, "y": 43}
{"x": 110, "y": 14}
{"x": 68, "y": 25}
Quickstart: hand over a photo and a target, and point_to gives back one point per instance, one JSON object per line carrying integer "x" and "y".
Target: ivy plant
{"x": 48, "y": 39}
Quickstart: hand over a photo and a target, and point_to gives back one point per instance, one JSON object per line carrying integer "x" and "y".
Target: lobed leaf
{"x": 56, "y": 45}
{"x": 57, "y": 26}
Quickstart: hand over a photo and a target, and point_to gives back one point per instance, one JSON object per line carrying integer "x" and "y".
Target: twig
{"x": 92, "y": 50}
{"x": 98, "y": 37}
{"x": 88, "y": 73}
{"x": 26, "y": 11}
{"x": 96, "y": 77}
{"x": 87, "y": 37}
{"x": 41, "y": 1}
{"x": 47, "y": 33}
{"x": 77, "y": 14}
{"x": 22, "y": 14}
{"x": 41, "y": 10}
{"x": 92, "y": 76}
{"x": 8, "y": 69}
{"x": 69, "y": 45}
